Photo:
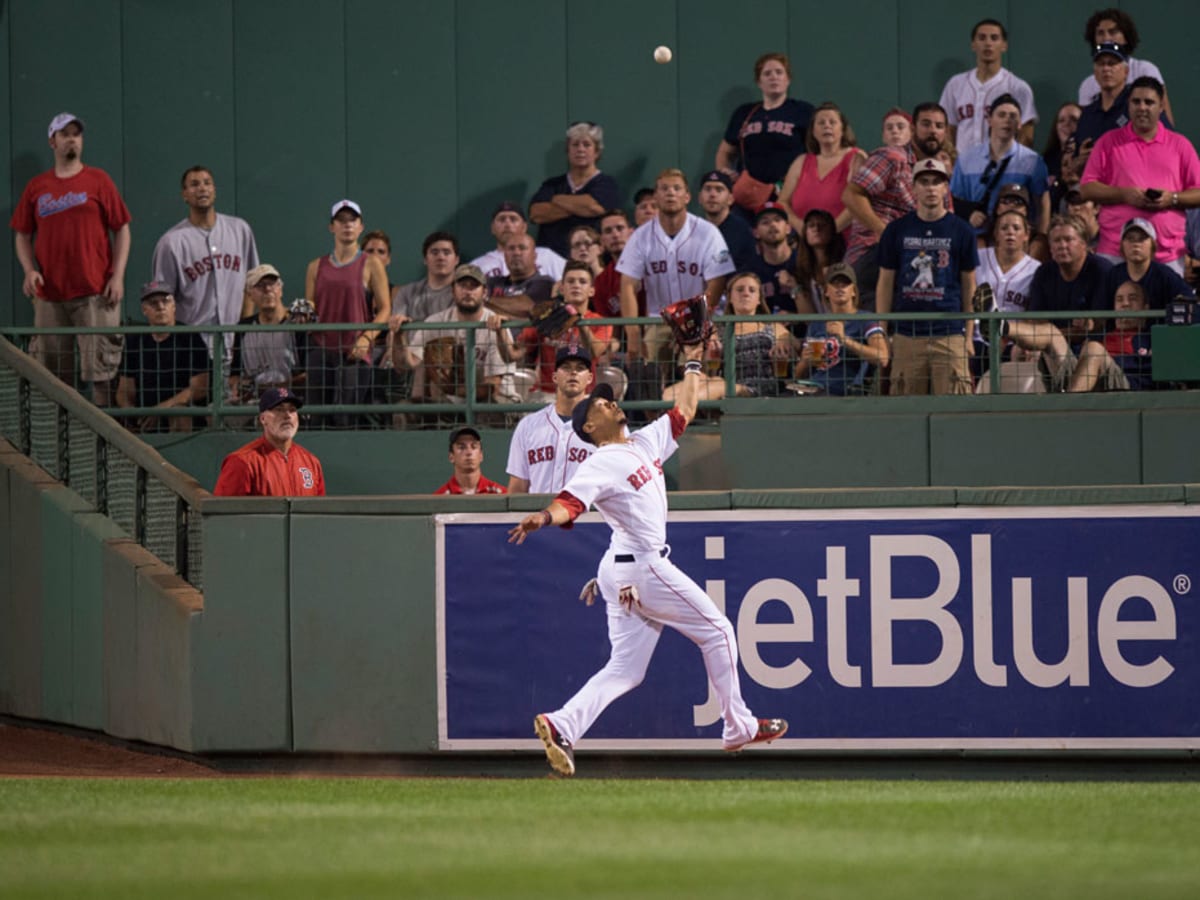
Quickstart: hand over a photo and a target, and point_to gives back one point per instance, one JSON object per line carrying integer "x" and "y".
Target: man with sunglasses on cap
{"x": 273, "y": 465}
{"x": 466, "y": 456}
{"x": 642, "y": 589}
{"x": 71, "y": 230}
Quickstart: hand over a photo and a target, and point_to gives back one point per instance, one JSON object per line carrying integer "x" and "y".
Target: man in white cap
{"x": 72, "y": 239}
{"x": 927, "y": 262}
{"x": 205, "y": 257}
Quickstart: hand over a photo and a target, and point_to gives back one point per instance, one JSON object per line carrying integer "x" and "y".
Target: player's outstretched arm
{"x": 554, "y": 514}
{"x": 687, "y": 394}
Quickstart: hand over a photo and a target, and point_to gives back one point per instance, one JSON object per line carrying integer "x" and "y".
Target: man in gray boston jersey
{"x": 204, "y": 259}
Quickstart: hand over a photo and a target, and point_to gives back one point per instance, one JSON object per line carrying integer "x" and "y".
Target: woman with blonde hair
{"x": 816, "y": 179}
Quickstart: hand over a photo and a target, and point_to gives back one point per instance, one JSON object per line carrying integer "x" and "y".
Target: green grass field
{"x": 479, "y": 838}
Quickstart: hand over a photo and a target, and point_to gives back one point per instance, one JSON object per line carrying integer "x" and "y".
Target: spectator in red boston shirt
{"x": 466, "y": 455}
{"x": 273, "y": 465}
{"x": 73, "y": 274}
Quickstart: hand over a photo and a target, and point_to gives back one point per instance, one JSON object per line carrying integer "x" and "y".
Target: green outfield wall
{"x": 429, "y": 113}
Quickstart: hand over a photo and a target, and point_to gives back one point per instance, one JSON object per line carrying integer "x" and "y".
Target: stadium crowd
{"x": 954, "y": 212}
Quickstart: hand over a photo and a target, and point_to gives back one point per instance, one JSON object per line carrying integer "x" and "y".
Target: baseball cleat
{"x": 558, "y": 751}
{"x": 768, "y": 730}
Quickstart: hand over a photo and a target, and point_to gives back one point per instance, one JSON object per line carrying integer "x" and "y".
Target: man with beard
{"x": 205, "y": 259}
{"x": 74, "y": 275}
{"x": 774, "y": 260}
{"x": 508, "y": 221}
{"x": 880, "y": 191}
{"x": 1144, "y": 170}
{"x": 445, "y": 375}
{"x": 545, "y": 450}
{"x": 273, "y": 465}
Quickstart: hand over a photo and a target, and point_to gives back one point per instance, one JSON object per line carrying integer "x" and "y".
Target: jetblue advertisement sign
{"x": 877, "y": 629}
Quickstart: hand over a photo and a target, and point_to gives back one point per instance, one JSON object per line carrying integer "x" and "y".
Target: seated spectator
{"x": 273, "y": 465}
{"x": 523, "y": 281}
{"x": 716, "y": 201}
{"x": 466, "y": 456}
{"x": 775, "y": 261}
{"x": 339, "y": 363}
{"x": 163, "y": 369}
{"x": 577, "y": 291}
{"x": 438, "y": 357}
{"x": 1072, "y": 282}
{"x": 418, "y": 300}
{"x": 817, "y": 178}
{"x": 761, "y": 349}
{"x": 897, "y": 128}
{"x": 1008, "y": 269}
{"x": 645, "y": 206}
{"x": 763, "y": 138}
{"x": 1143, "y": 169}
{"x": 508, "y": 221}
{"x": 1014, "y": 197}
{"x": 839, "y": 353}
{"x": 268, "y": 358}
{"x": 578, "y": 197}
{"x": 377, "y": 243}
{"x": 1193, "y": 246}
{"x": 1059, "y": 153}
{"x": 997, "y": 161}
{"x": 1116, "y": 26}
{"x": 820, "y": 246}
{"x": 1087, "y": 213}
{"x": 1160, "y": 284}
{"x": 585, "y": 247}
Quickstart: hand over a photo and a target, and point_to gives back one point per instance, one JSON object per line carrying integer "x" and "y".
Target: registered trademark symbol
{"x": 1182, "y": 584}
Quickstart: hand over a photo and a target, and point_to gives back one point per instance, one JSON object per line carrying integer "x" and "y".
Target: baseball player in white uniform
{"x": 675, "y": 255}
{"x": 642, "y": 589}
{"x": 545, "y": 451}
{"x": 204, "y": 259}
{"x": 967, "y": 97}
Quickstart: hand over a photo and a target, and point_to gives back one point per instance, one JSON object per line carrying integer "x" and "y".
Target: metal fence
{"x": 120, "y": 476}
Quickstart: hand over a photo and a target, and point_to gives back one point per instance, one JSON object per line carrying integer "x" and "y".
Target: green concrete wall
{"x": 429, "y": 113}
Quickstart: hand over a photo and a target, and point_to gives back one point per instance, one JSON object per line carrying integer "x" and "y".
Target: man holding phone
{"x": 1144, "y": 170}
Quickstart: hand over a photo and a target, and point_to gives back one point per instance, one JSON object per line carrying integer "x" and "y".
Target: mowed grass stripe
{"x": 475, "y": 838}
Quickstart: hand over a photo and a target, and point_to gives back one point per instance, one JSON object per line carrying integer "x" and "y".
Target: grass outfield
{"x": 477, "y": 838}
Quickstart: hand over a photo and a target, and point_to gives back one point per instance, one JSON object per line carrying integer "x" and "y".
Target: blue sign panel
{"x": 1014, "y": 628}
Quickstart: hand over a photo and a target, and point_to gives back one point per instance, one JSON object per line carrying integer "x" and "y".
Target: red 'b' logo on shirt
{"x": 306, "y": 476}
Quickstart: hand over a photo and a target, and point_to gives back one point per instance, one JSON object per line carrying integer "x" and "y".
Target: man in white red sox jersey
{"x": 545, "y": 451}
{"x": 204, "y": 259}
{"x": 642, "y": 589}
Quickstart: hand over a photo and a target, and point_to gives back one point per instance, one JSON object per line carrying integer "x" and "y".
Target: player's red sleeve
{"x": 571, "y": 503}
{"x": 234, "y": 480}
{"x": 678, "y": 423}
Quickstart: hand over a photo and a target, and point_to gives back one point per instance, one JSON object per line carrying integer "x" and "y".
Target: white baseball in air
{"x": 662, "y": 54}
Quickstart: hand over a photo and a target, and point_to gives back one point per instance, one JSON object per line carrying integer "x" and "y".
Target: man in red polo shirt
{"x": 273, "y": 465}
{"x": 466, "y": 455}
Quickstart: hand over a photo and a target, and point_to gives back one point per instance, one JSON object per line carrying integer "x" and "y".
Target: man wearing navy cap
{"x": 466, "y": 456}
{"x": 273, "y": 465}
{"x": 775, "y": 260}
{"x": 716, "y": 200}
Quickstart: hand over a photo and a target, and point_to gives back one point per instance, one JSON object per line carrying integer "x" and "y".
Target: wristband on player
{"x": 692, "y": 367}
{"x": 547, "y": 518}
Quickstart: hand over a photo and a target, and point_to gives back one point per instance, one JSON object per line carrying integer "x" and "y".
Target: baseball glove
{"x": 688, "y": 320}
{"x": 552, "y": 317}
{"x": 301, "y": 312}
{"x": 984, "y": 298}
{"x": 518, "y": 306}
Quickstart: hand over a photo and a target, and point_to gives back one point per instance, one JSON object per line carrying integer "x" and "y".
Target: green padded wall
{"x": 429, "y": 113}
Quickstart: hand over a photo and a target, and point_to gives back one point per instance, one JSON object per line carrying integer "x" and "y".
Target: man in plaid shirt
{"x": 881, "y": 192}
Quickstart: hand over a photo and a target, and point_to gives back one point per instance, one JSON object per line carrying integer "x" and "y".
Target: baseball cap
{"x": 572, "y": 350}
{"x": 62, "y": 120}
{"x": 258, "y": 273}
{"x": 464, "y": 432}
{"x": 1143, "y": 224}
{"x": 717, "y": 175}
{"x": 770, "y": 207}
{"x": 273, "y": 397}
{"x": 936, "y": 166}
{"x": 1112, "y": 49}
{"x": 1010, "y": 191}
{"x": 345, "y": 204}
{"x": 579, "y": 417}
{"x": 467, "y": 270}
{"x": 841, "y": 270}
{"x": 508, "y": 206}
{"x": 150, "y": 288}
{"x": 1002, "y": 100}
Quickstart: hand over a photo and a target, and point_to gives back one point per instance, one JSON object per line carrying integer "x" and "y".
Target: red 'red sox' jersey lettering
{"x": 641, "y": 476}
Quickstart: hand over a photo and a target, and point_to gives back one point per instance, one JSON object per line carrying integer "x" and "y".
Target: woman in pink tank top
{"x": 817, "y": 178}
